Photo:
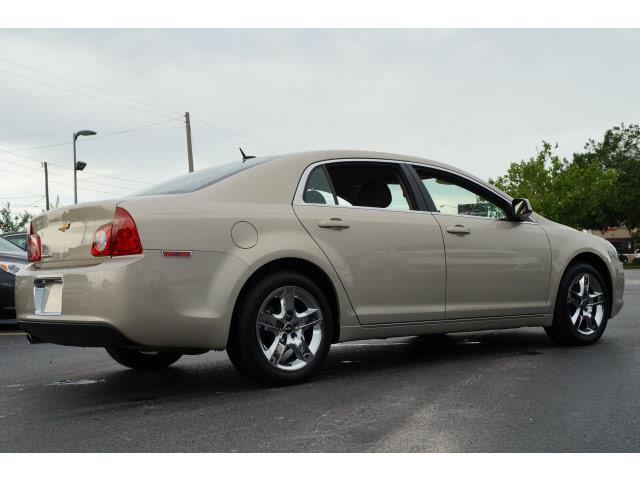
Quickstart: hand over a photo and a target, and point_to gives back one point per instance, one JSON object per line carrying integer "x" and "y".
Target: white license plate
{"x": 47, "y": 296}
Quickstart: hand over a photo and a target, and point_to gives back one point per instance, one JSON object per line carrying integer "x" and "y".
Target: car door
{"x": 495, "y": 266}
{"x": 388, "y": 254}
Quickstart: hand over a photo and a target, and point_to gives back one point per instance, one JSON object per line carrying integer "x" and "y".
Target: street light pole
{"x": 78, "y": 165}
{"x": 75, "y": 178}
{"x": 46, "y": 186}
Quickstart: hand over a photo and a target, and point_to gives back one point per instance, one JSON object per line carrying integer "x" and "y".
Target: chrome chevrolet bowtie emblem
{"x": 63, "y": 227}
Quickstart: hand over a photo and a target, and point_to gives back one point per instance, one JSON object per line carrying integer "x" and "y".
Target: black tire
{"x": 243, "y": 345}
{"x": 562, "y": 330}
{"x": 142, "y": 360}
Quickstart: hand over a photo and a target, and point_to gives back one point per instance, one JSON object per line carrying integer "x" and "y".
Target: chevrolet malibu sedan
{"x": 277, "y": 258}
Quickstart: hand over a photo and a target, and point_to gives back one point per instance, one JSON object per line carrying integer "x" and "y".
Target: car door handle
{"x": 333, "y": 223}
{"x": 459, "y": 229}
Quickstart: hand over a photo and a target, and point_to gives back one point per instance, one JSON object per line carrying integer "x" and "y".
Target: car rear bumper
{"x": 74, "y": 334}
{"x": 147, "y": 299}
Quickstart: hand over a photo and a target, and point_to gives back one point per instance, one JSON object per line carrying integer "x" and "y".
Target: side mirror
{"x": 521, "y": 208}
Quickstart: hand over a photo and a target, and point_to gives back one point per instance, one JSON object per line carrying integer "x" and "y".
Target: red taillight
{"x": 34, "y": 246}
{"x": 124, "y": 237}
{"x": 117, "y": 238}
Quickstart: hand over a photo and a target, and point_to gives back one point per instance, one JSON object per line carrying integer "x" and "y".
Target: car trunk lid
{"x": 66, "y": 233}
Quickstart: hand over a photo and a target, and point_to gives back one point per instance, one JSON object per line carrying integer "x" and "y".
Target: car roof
{"x": 275, "y": 179}
{"x": 304, "y": 159}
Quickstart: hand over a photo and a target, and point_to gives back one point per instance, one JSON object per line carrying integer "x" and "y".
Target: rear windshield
{"x": 191, "y": 182}
{"x": 7, "y": 246}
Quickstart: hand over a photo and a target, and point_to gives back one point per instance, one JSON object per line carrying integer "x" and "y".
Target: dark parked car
{"x": 12, "y": 260}
{"x": 17, "y": 238}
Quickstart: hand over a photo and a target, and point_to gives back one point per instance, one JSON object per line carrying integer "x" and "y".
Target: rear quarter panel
{"x": 204, "y": 220}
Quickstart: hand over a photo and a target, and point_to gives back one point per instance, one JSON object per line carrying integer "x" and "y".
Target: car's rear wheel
{"x": 140, "y": 360}
{"x": 582, "y": 307}
{"x": 282, "y": 330}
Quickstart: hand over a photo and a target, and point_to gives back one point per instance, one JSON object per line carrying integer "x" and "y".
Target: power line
{"x": 38, "y": 147}
{"x": 117, "y": 194}
{"x": 75, "y": 82}
{"x": 27, "y": 205}
{"x": 91, "y": 175}
{"x": 128, "y": 130}
{"x": 60, "y": 174}
{"x": 20, "y": 196}
{"x": 34, "y": 134}
{"x": 223, "y": 135}
{"x": 133, "y": 100}
{"x": 66, "y": 168}
{"x": 73, "y": 92}
{"x": 30, "y": 176}
{"x": 239, "y": 136}
{"x": 97, "y": 137}
{"x": 234, "y": 139}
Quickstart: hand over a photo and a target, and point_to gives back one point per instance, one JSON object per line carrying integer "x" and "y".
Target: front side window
{"x": 452, "y": 197}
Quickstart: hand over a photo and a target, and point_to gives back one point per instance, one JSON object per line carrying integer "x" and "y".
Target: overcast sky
{"x": 477, "y": 99}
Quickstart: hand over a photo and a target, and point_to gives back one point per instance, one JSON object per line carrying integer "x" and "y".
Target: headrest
{"x": 313, "y": 196}
{"x": 373, "y": 193}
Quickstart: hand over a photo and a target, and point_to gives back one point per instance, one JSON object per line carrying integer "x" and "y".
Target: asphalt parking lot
{"x": 499, "y": 391}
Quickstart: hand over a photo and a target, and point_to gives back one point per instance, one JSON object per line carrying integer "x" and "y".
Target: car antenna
{"x": 246, "y": 157}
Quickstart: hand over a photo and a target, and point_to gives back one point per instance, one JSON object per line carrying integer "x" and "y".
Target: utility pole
{"x": 46, "y": 186}
{"x": 75, "y": 172}
{"x": 187, "y": 121}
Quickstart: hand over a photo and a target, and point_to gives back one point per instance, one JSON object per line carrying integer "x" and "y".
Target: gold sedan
{"x": 277, "y": 258}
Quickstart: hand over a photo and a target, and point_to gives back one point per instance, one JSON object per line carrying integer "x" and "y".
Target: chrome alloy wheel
{"x": 289, "y": 328}
{"x": 586, "y": 302}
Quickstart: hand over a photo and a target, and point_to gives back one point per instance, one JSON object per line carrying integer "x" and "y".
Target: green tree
{"x": 535, "y": 179}
{"x": 618, "y": 151}
{"x": 585, "y": 195}
{"x": 10, "y": 222}
{"x": 579, "y": 194}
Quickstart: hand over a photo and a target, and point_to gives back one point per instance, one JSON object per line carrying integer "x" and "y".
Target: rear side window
{"x": 370, "y": 184}
{"x": 200, "y": 179}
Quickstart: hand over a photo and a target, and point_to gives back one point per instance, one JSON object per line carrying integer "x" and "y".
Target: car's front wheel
{"x": 140, "y": 360}
{"x": 582, "y": 307}
{"x": 282, "y": 331}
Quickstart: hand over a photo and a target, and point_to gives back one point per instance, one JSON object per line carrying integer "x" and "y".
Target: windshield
{"x": 7, "y": 246}
{"x": 200, "y": 179}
